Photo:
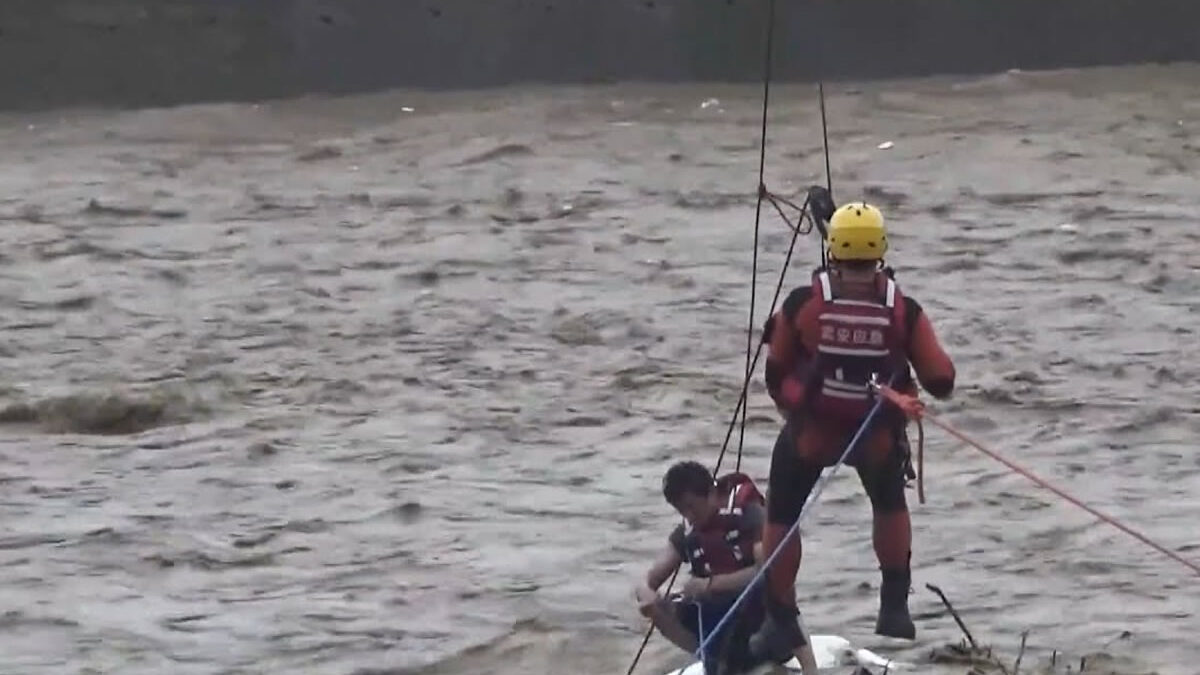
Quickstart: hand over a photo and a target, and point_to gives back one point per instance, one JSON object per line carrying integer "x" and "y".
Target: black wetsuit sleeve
{"x": 782, "y": 355}
{"x": 791, "y": 304}
{"x": 912, "y": 312}
{"x": 754, "y": 515}
{"x": 676, "y": 540}
{"x": 795, "y": 300}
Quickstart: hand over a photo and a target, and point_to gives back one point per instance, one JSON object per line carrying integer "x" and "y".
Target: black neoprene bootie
{"x": 894, "y": 620}
{"x": 779, "y": 635}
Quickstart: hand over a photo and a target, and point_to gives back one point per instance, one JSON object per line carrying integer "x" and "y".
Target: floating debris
{"x": 982, "y": 660}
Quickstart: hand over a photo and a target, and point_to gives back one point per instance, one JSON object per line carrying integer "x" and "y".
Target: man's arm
{"x": 666, "y": 562}
{"x": 934, "y": 369}
{"x": 786, "y": 354}
{"x": 647, "y": 592}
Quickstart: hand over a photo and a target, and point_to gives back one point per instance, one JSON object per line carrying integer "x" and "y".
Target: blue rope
{"x": 699, "y": 611}
{"x": 812, "y": 499}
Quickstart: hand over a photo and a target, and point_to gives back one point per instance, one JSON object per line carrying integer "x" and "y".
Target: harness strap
{"x": 889, "y": 296}
{"x": 920, "y": 461}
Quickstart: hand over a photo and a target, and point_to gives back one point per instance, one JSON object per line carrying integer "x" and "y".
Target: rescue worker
{"x": 720, "y": 541}
{"x": 826, "y": 344}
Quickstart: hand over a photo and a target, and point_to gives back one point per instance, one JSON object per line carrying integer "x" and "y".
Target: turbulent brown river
{"x": 387, "y": 383}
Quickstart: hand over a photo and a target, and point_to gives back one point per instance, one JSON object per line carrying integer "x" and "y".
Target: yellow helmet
{"x": 856, "y": 232}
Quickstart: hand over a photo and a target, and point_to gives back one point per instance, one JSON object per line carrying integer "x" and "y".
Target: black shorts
{"x": 734, "y": 642}
{"x": 792, "y": 479}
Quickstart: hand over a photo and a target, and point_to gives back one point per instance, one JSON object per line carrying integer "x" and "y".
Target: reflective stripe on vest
{"x": 858, "y": 331}
{"x": 728, "y": 556}
{"x": 867, "y": 341}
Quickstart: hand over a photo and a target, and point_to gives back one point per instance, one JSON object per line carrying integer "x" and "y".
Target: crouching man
{"x": 720, "y": 541}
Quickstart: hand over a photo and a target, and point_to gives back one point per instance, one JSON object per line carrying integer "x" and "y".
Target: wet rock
{"x": 505, "y": 151}
{"x": 262, "y": 449}
{"x": 250, "y": 541}
{"x": 429, "y": 277}
{"x": 887, "y": 197}
{"x": 408, "y": 512}
{"x": 512, "y": 197}
{"x": 320, "y": 153}
{"x": 94, "y": 207}
{"x": 105, "y": 414}
{"x": 577, "y": 331}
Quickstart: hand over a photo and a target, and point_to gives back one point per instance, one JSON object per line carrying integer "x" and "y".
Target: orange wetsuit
{"x": 815, "y": 340}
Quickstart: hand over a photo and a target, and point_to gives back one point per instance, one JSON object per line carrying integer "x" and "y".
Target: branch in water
{"x": 957, "y": 619}
{"x": 1020, "y": 654}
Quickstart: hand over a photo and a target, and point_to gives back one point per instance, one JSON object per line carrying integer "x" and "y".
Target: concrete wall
{"x": 158, "y": 52}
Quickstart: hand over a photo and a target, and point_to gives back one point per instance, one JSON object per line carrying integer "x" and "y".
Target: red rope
{"x": 915, "y": 409}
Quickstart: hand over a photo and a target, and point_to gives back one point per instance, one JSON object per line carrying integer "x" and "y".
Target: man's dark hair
{"x": 687, "y": 477}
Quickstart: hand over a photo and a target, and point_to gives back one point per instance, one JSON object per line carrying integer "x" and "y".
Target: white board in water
{"x": 829, "y": 651}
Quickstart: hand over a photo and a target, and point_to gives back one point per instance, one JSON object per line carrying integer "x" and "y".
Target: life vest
{"x": 726, "y": 542}
{"x": 856, "y": 339}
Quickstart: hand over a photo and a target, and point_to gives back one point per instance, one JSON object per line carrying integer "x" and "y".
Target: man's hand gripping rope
{"x": 914, "y": 409}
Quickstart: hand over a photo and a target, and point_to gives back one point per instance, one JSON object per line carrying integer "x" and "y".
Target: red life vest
{"x": 857, "y": 339}
{"x": 726, "y": 542}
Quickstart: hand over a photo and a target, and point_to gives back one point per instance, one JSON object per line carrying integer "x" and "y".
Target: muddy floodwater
{"x": 387, "y": 383}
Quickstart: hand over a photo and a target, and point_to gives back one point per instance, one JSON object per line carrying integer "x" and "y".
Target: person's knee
{"x": 884, "y": 479}
{"x": 885, "y": 489}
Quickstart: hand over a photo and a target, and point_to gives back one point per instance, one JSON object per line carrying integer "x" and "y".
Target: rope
{"x": 828, "y": 171}
{"x": 825, "y": 138}
{"x": 894, "y": 396}
{"x": 808, "y": 506}
{"x": 1033, "y": 477}
{"x": 797, "y": 230}
{"x": 762, "y": 163}
{"x": 650, "y": 631}
{"x": 699, "y": 611}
